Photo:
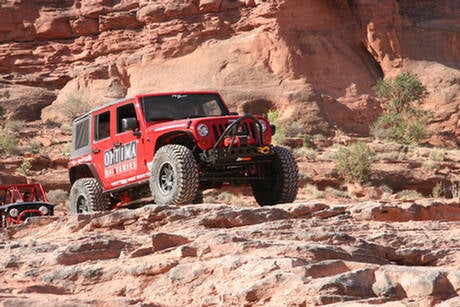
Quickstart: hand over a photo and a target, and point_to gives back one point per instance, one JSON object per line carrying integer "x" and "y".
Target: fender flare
{"x": 82, "y": 171}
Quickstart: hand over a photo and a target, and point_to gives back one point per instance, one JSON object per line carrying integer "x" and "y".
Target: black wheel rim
{"x": 82, "y": 205}
{"x": 166, "y": 178}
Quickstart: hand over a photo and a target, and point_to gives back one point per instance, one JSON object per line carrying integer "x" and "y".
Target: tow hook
{"x": 264, "y": 150}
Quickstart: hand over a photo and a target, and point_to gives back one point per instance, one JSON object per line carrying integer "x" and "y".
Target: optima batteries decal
{"x": 120, "y": 159}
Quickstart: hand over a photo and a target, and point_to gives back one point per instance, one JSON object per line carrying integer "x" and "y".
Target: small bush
{"x": 402, "y": 91}
{"x": 402, "y": 121}
{"x": 280, "y": 135}
{"x": 75, "y": 106}
{"x": 305, "y": 152}
{"x": 386, "y": 189}
{"x": 308, "y": 141}
{"x": 303, "y": 176}
{"x": 438, "y": 190}
{"x": 313, "y": 191}
{"x": 337, "y": 193}
{"x": 5, "y": 95}
{"x": 408, "y": 195}
{"x": 454, "y": 188}
{"x": 15, "y": 126}
{"x": 33, "y": 146}
{"x": 354, "y": 162}
{"x": 57, "y": 196}
{"x": 389, "y": 126}
{"x": 2, "y": 115}
{"x": 416, "y": 131}
{"x": 438, "y": 155}
{"x": 49, "y": 123}
{"x": 429, "y": 165}
{"x": 227, "y": 198}
{"x": 8, "y": 144}
{"x": 25, "y": 167}
{"x": 293, "y": 129}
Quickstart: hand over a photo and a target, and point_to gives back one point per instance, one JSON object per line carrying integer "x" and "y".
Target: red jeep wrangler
{"x": 173, "y": 146}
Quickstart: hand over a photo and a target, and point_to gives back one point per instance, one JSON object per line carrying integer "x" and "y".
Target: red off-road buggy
{"x": 21, "y": 201}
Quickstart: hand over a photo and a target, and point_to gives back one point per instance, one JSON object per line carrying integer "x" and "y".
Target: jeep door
{"x": 123, "y": 161}
{"x": 102, "y": 141}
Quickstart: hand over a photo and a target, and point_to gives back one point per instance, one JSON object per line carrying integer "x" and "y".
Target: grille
{"x": 218, "y": 130}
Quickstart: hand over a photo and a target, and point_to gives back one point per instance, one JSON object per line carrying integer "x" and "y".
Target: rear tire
{"x": 198, "y": 199}
{"x": 86, "y": 196}
{"x": 282, "y": 183}
{"x": 174, "y": 176}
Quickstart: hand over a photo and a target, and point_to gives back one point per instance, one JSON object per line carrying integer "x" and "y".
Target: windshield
{"x": 180, "y": 106}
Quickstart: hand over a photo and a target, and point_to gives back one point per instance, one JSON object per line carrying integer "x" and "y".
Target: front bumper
{"x": 234, "y": 156}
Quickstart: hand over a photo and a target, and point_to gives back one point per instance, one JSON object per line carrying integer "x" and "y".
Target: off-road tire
{"x": 174, "y": 176}
{"x": 282, "y": 183}
{"x": 198, "y": 199}
{"x": 86, "y": 196}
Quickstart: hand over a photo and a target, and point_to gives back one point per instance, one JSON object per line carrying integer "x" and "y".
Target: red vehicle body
{"x": 173, "y": 146}
{"x": 20, "y": 201}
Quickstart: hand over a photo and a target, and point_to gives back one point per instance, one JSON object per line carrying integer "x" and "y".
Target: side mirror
{"x": 273, "y": 128}
{"x": 129, "y": 123}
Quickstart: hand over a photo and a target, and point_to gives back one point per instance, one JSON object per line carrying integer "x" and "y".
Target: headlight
{"x": 14, "y": 212}
{"x": 43, "y": 209}
{"x": 202, "y": 129}
{"x": 263, "y": 125}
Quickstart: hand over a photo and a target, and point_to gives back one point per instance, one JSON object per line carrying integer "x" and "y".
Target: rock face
{"x": 314, "y": 60}
{"x": 302, "y": 254}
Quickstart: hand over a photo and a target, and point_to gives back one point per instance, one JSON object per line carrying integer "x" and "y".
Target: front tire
{"x": 86, "y": 196}
{"x": 282, "y": 180}
{"x": 174, "y": 176}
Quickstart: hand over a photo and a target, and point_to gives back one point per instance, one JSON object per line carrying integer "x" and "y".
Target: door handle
{"x": 117, "y": 144}
{"x": 97, "y": 150}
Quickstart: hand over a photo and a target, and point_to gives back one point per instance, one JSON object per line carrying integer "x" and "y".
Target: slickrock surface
{"x": 301, "y": 254}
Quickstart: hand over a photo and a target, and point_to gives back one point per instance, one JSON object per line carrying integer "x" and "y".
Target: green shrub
{"x": 308, "y": 141}
{"x": 354, "y": 162}
{"x": 402, "y": 91}
{"x": 5, "y": 95}
{"x": 50, "y": 123}
{"x": 454, "y": 188}
{"x": 429, "y": 165}
{"x": 75, "y": 106}
{"x": 402, "y": 120}
{"x": 313, "y": 191}
{"x": 408, "y": 195}
{"x": 293, "y": 129}
{"x": 416, "y": 131}
{"x": 2, "y": 115}
{"x": 8, "y": 143}
{"x": 280, "y": 135}
{"x": 57, "y": 196}
{"x": 304, "y": 152}
{"x": 25, "y": 167}
{"x": 33, "y": 146}
{"x": 438, "y": 155}
{"x": 389, "y": 126}
{"x": 337, "y": 193}
{"x": 386, "y": 189}
{"x": 15, "y": 126}
{"x": 438, "y": 190}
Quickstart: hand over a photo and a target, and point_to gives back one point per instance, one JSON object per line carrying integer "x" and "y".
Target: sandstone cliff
{"x": 315, "y": 60}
